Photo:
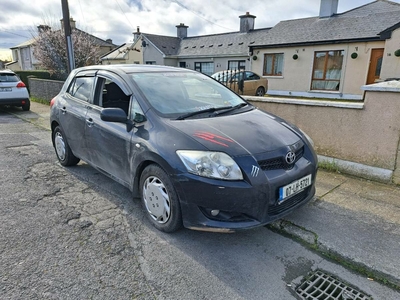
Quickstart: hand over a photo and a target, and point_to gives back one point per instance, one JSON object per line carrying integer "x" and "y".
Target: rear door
{"x": 73, "y": 107}
{"x": 109, "y": 143}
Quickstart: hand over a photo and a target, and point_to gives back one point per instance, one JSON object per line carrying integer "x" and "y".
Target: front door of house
{"x": 375, "y": 65}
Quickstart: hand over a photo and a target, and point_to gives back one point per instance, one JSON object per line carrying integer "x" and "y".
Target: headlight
{"x": 308, "y": 138}
{"x": 210, "y": 164}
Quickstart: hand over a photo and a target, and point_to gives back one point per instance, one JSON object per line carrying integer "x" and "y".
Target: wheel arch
{"x": 146, "y": 160}
{"x": 53, "y": 126}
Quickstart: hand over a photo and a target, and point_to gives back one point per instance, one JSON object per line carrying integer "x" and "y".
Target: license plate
{"x": 294, "y": 188}
{"x": 5, "y": 89}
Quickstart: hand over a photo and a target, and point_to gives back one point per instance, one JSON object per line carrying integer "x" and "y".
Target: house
{"x": 331, "y": 55}
{"x": 328, "y": 56}
{"x": 207, "y": 54}
{"x": 146, "y": 49}
{"x": 24, "y": 59}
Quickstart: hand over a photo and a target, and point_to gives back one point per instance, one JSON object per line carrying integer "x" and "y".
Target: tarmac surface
{"x": 354, "y": 221}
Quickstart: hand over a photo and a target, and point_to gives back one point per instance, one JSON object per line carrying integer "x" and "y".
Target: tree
{"x": 50, "y": 50}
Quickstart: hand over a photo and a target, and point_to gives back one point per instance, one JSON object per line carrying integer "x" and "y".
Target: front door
{"x": 375, "y": 65}
{"x": 109, "y": 143}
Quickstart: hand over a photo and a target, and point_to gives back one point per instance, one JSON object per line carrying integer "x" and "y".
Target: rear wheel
{"x": 63, "y": 151}
{"x": 160, "y": 200}
{"x": 26, "y": 106}
{"x": 260, "y": 91}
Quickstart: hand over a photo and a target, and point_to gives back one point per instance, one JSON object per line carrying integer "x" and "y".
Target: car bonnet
{"x": 252, "y": 132}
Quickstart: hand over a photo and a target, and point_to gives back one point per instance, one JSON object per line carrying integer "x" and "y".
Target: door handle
{"x": 89, "y": 122}
{"x": 63, "y": 110}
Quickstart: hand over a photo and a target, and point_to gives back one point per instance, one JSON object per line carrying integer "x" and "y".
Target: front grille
{"x": 289, "y": 203}
{"x": 320, "y": 285}
{"x": 277, "y": 163}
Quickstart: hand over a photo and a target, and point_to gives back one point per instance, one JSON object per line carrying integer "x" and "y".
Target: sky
{"x": 118, "y": 19}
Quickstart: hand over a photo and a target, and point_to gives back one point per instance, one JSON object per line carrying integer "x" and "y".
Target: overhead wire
{"x": 124, "y": 14}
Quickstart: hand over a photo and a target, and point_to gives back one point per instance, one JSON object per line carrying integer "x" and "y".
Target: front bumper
{"x": 241, "y": 204}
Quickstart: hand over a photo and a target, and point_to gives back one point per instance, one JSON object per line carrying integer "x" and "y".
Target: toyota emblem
{"x": 290, "y": 157}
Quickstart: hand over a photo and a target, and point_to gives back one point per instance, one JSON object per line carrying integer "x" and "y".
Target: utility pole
{"x": 67, "y": 32}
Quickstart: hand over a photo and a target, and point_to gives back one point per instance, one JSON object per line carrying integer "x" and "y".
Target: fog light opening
{"x": 214, "y": 212}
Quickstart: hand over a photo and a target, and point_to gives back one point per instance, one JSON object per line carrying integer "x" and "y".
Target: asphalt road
{"x": 72, "y": 233}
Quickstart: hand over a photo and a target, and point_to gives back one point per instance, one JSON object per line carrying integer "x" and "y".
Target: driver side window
{"x": 111, "y": 95}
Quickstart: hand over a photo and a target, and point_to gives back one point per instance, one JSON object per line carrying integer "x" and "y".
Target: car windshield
{"x": 185, "y": 94}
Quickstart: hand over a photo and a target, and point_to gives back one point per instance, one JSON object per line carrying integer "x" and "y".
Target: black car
{"x": 197, "y": 154}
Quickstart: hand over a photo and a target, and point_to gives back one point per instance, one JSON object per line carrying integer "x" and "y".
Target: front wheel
{"x": 63, "y": 151}
{"x": 260, "y": 91}
{"x": 160, "y": 200}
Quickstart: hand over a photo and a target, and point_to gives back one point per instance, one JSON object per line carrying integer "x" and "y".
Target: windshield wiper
{"x": 229, "y": 109}
{"x": 194, "y": 113}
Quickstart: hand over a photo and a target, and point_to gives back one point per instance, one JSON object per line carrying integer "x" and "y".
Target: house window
{"x": 182, "y": 64}
{"x": 236, "y": 65}
{"x": 327, "y": 70}
{"x": 150, "y": 62}
{"x": 273, "y": 64}
{"x": 204, "y": 67}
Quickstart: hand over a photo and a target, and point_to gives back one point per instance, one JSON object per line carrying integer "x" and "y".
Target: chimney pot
{"x": 328, "y": 8}
{"x": 181, "y": 31}
{"x": 246, "y": 22}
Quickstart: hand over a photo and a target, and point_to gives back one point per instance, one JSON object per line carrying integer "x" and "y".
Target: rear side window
{"x": 4, "y": 77}
{"x": 81, "y": 88}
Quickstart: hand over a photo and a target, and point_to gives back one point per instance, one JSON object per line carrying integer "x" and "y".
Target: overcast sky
{"x": 117, "y": 19}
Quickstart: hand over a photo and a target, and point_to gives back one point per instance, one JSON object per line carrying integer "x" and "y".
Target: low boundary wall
{"x": 344, "y": 132}
{"x": 43, "y": 88}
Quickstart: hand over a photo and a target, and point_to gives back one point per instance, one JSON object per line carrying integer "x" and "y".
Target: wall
{"x": 391, "y": 63}
{"x": 366, "y": 133}
{"x": 296, "y": 77}
{"x": 151, "y": 53}
{"x": 43, "y": 88}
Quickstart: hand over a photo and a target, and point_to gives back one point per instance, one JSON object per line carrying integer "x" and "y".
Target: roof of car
{"x": 135, "y": 68}
{"x": 7, "y": 72}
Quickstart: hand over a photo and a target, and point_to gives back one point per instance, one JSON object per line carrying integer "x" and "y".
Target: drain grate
{"x": 321, "y": 286}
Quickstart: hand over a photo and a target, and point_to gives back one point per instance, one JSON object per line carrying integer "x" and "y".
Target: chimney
{"x": 181, "y": 31}
{"x": 109, "y": 41}
{"x": 247, "y": 22}
{"x": 71, "y": 22}
{"x": 136, "y": 34}
{"x": 328, "y": 8}
{"x": 43, "y": 28}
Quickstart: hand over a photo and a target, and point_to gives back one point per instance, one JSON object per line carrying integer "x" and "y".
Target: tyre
{"x": 159, "y": 199}
{"x": 260, "y": 91}
{"x": 26, "y": 106}
{"x": 63, "y": 151}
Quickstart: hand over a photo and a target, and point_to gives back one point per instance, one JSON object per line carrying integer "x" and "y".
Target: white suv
{"x": 13, "y": 91}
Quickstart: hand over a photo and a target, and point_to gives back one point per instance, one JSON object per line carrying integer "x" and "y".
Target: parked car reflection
{"x": 243, "y": 82}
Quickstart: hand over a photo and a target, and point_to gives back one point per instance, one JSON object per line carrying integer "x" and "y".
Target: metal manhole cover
{"x": 321, "y": 286}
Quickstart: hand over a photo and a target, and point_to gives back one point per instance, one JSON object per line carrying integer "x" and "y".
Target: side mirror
{"x": 114, "y": 115}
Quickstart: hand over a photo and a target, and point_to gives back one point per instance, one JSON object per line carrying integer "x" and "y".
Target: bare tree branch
{"x": 50, "y": 50}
